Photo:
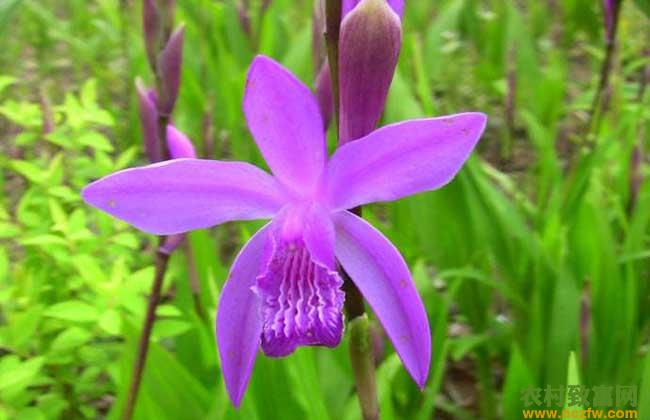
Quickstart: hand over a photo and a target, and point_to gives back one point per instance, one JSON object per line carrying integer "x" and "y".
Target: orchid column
{"x": 362, "y": 59}
{"x": 162, "y": 141}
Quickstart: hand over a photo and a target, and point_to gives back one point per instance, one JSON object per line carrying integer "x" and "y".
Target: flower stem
{"x": 143, "y": 347}
{"x": 598, "y": 103}
{"x": 363, "y": 365}
{"x": 333, "y": 12}
{"x": 361, "y": 354}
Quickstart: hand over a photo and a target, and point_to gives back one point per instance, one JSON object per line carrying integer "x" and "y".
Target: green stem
{"x": 597, "y": 105}
{"x": 363, "y": 366}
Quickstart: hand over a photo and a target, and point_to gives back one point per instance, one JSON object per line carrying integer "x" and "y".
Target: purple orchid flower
{"x": 284, "y": 290}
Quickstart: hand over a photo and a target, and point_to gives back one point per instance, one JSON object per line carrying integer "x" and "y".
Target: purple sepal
{"x": 169, "y": 66}
{"x": 370, "y": 42}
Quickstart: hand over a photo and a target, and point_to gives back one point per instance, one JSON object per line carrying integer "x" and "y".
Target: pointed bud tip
{"x": 169, "y": 66}
{"x": 377, "y": 9}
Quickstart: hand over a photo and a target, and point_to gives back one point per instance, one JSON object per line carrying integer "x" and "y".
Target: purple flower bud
{"x": 609, "y": 9}
{"x": 324, "y": 94}
{"x": 178, "y": 144}
{"x": 396, "y": 5}
{"x": 152, "y": 25}
{"x": 370, "y": 42}
{"x": 149, "y": 121}
{"x": 169, "y": 68}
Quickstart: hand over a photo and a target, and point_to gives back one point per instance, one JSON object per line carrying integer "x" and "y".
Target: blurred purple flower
{"x": 149, "y": 121}
{"x": 178, "y": 145}
{"x": 283, "y": 289}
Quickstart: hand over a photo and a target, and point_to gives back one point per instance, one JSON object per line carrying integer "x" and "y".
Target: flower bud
{"x": 169, "y": 68}
{"x": 370, "y": 42}
{"x": 324, "y": 94}
{"x": 149, "y": 121}
{"x": 178, "y": 144}
{"x": 152, "y": 25}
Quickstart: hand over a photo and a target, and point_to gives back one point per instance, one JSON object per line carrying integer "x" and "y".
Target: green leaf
{"x": 573, "y": 378}
{"x": 29, "y": 170}
{"x": 644, "y": 5}
{"x": 73, "y": 310}
{"x": 95, "y": 141}
{"x": 111, "y": 322}
{"x": 70, "y": 339}
{"x": 644, "y": 390}
{"x": 6, "y": 81}
{"x": 19, "y": 374}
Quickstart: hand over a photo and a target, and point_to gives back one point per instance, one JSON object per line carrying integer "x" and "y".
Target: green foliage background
{"x": 533, "y": 251}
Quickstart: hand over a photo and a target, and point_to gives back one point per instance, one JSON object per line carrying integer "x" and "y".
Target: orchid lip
{"x": 301, "y": 300}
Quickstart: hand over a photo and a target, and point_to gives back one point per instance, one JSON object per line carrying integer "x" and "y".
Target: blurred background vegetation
{"x": 539, "y": 247}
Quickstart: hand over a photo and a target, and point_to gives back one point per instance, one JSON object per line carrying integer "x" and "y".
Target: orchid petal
{"x": 184, "y": 194}
{"x": 318, "y": 235}
{"x": 379, "y": 271}
{"x": 396, "y": 5}
{"x": 284, "y": 119}
{"x": 239, "y": 321}
{"x": 311, "y": 224}
{"x": 402, "y": 159}
{"x": 178, "y": 144}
